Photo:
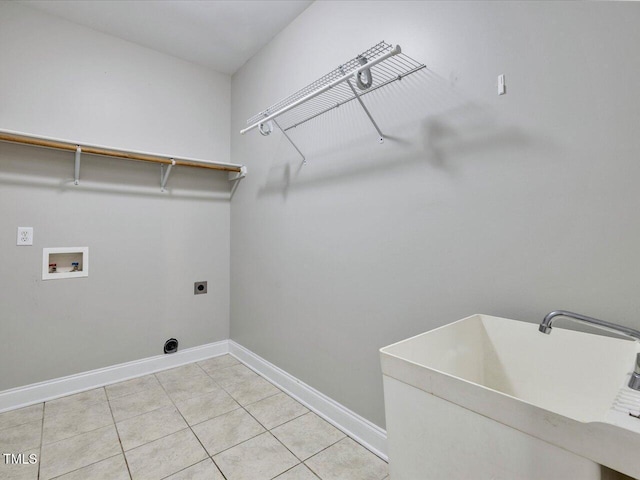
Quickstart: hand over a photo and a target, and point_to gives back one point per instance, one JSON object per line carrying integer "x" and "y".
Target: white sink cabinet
{"x": 493, "y": 398}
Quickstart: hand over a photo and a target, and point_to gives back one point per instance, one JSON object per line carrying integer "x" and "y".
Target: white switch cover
{"x": 25, "y": 236}
{"x": 502, "y": 88}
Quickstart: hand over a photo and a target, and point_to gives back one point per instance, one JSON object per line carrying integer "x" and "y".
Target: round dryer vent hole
{"x": 171, "y": 346}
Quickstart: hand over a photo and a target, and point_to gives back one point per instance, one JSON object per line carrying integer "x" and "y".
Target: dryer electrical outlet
{"x": 199, "y": 288}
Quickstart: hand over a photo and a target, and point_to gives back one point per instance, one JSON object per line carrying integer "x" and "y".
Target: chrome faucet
{"x": 546, "y": 327}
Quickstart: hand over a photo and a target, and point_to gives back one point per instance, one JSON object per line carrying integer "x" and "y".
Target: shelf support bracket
{"x": 238, "y": 175}
{"x": 164, "y": 176}
{"x": 304, "y": 160}
{"x": 366, "y": 110}
{"x": 76, "y": 175}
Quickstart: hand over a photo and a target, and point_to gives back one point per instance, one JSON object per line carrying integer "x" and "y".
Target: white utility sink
{"x": 567, "y": 389}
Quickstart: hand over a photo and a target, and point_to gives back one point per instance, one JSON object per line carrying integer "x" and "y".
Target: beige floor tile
{"x": 307, "y": 435}
{"x": 21, "y": 416}
{"x": 218, "y": 362}
{"x": 347, "y": 460}
{"x": 113, "y": 468}
{"x": 276, "y": 410}
{"x": 189, "y": 387}
{"x": 70, "y": 423}
{"x": 251, "y": 391}
{"x": 200, "y": 471}
{"x": 149, "y": 426}
{"x": 79, "y": 451}
{"x": 227, "y": 430}
{"x": 144, "y": 401}
{"x": 198, "y": 409}
{"x": 165, "y": 456}
{"x": 128, "y": 387}
{"x": 21, "y": 438}
{"x": 189, "y": 370}
{"x": 260, "y": 458}
{"x": 74, "y": 402}
{"x": 299, "y": 472}
{"x": 23, "y": 470}
{"x": 228, "y": 376}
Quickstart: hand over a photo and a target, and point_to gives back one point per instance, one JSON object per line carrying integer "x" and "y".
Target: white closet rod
{"x": 396, "y": 50}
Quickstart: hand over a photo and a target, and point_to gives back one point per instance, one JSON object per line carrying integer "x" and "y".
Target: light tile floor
{"x": 210, "y": 420}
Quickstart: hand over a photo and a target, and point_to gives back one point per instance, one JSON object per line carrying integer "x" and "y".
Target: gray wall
{"x": 146, "y": 248}
{"x": 510, "y": 206}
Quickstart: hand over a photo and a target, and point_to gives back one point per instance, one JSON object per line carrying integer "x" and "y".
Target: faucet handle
{"x": 634, "y": 381}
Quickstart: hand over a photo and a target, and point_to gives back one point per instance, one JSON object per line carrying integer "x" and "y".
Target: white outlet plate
{"x": 25, "y": 236}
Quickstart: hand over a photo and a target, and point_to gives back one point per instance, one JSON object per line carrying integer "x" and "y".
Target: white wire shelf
{"x": 380, "y": 65}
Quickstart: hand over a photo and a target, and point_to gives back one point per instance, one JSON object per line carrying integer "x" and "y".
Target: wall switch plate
{"x": 502, "y": 88}
{"x": 199, "y": 288}
{"x": 25, "y": 236}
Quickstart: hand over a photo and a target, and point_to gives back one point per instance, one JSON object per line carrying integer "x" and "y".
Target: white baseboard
{"x": 360, "y": 429}
{"x": 61, "y": 387}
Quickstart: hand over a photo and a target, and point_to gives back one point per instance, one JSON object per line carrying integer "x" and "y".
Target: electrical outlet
{"x": 25, "y": 236}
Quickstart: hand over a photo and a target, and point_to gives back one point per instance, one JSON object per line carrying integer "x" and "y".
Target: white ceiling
{"x": 220, "y": 34}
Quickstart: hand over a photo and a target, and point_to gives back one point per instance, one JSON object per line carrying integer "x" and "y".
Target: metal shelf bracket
{"x": 304, "y": 160}
{"x": 366, "y": 110}
{"x": 164, "y": 176}
{"x": 238, "y": 175}
{"x": 76, "y": 175}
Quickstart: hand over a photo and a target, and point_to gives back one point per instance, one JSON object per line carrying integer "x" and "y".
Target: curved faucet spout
{"x": 547, "y": 324}
{"x": 546, "y": 327}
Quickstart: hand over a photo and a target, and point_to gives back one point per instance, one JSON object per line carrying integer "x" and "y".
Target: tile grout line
{"x": 185, "y": 468}
{"x": 301, "y": 461}
{"x": 144, "y": 389}
{"x": 173, "y": 403}
{"x": 335, "y": 443}
{"x": 22, "y": 423}
{"x": 108, "y": 401}
{"x": 291, "y": 419}
{"x": 115, "y": 426}
{"x": 80, "y": 468}
{"x": 345, "y": 436}
{"x": 138, "y": 414}
{"x": 267, "y": 430}
{"x": 325, "y": 448}
{"x": 317, "y": 410}
{"x": 90, "y": 404}
{"x": 297, "y": 465}
{"x": 270, "y": 432}
{"x": 81, "y": 433}
{"x": 189, "y": 426}
{"x": 75, "y": 434}
{"x": 277, "y": 439}
{"x": 244, "y": 380}
{"x": 243, "y": 407}
{"x": 287, "y": 448}
{"x": 104, "y": 426}
{"x": 208, "y": 456}
{"x": 41, "y": 441}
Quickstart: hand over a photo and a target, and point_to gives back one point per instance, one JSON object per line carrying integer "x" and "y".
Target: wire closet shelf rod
{"x": 383, "y": 64}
